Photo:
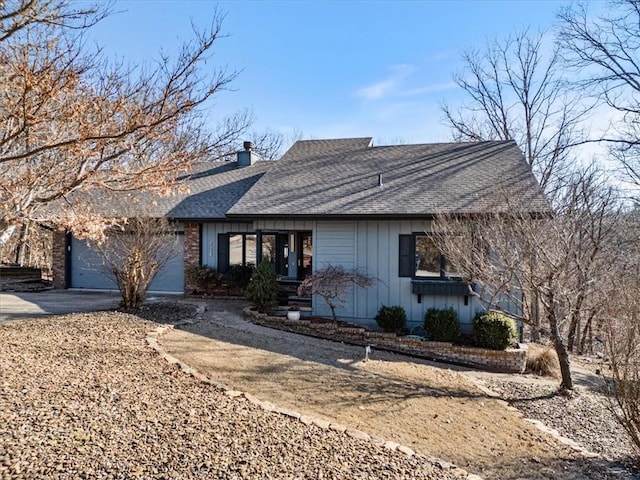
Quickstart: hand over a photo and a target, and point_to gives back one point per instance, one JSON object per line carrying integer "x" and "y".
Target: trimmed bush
{"x": 240, "y": 275}
{"x": 204, "y": 277}
{"x": 262, "y": 290}
{"x": 442, "y": 325}
{"x": 494, "y": 330}
{"x": 391, "y": 319}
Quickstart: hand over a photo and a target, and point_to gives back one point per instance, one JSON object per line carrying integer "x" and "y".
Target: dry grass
{"x": 542, "y": 361}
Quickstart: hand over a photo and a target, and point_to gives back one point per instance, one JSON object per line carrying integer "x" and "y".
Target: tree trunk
{"x": 586, "y": 336}
{"x": 561, "y": 350}
{"x": 574, "y": 324}
{"x": 22, "y": 245}
{"x": 333, "y": 312}
{"x": 534, "y": 316}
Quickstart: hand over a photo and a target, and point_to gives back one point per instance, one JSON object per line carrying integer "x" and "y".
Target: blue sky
{"x": 331, "y": 68}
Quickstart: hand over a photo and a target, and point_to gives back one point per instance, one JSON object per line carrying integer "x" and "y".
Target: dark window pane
{"x": 427, "y": 257}
{"x": 235, "y": 249}
{"x": 223, "y": 252}
{"x": 250, "y": 249}
{"x": 269, "y": 248}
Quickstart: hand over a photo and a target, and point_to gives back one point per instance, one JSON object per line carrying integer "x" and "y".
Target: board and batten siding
{"x": 334, "y": 243}
{"x": 280, "y": 225}
{"x": 372, "y": 247}
{"x": 210, "y": 233}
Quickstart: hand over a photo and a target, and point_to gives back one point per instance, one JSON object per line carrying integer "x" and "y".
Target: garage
{"x": 88, "y": 270}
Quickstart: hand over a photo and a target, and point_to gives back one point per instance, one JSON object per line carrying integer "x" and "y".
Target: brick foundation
{"x": 59, "y": 259}
{"x": 191, "y": 252}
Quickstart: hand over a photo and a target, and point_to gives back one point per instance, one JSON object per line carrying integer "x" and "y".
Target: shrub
{"x": 542, "y": 361}
{"x": 442, "y": 325}
{"x": 240, "y": 275}
{"x": 391, "y": 319}
{"x": 494, "y": 330}
{"x": 262, "y": 290}
{"x": 204, "y": 277}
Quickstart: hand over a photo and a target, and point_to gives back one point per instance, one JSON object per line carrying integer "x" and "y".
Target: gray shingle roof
{"x": 212, "y": 189}
{"x": 340, "y": 177}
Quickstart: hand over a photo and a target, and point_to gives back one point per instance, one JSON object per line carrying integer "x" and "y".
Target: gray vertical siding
{"x": 372, "y": 246}
{"x": 334, "y": 243}
{"x": 282, "y": 225}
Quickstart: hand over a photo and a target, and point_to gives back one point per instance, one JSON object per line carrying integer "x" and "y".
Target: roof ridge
{"x": 432, "y": 144}
{"x": 335, "y": 139}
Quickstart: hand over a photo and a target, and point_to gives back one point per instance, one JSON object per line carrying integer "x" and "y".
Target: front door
{"x": 282, "y": 254}
{"x": 290, "y": 252}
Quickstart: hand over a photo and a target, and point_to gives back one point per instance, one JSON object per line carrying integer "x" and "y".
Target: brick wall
{"x": 191, "y": 252}
{"x": 59, "y": 259}
{"x": 512, "y": 360}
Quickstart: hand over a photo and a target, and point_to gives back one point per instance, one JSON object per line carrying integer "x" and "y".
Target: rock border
{"x": 537, "y": 423}
{"x": 152, "y": 341}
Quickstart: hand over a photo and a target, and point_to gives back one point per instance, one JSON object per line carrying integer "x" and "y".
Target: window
{"x": 236, "y": 249}
{"x": 421, "y": 258}
{"x": 269, "y": 247}
{"x": 242, "y": 249}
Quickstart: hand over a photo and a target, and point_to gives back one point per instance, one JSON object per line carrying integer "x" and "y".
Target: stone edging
{"x": 537, "y": 423}
{"x": 502, "y": 361}
{"x": 152, "y": 341}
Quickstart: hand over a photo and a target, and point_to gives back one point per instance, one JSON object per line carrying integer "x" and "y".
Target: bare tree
{"x": 558, "y": 257}
{"x": 135, "y": 253}
{"x": 72, "y": 121}
{"x": 271, "y": 144}
{"x": 332, "y": 284}
{"x": 621, "y": 326}
{"x": 18, "y": 15}
{"x": 604, "y": 51}
{"x": 516, "y": 92}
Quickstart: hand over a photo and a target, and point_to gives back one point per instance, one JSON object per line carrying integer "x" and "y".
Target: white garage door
{"x": 89, "y": 271}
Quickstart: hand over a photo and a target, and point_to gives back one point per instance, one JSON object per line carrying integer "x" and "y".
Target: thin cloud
{"x": 433, "y": 88}
{"x": 384, "y": 87}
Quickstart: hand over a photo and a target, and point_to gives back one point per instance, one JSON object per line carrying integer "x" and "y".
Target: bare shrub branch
{"x": 135, "y": 253}
{"x": 332, "y": 283}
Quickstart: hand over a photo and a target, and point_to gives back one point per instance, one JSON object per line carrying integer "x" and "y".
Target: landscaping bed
{"x": 511, "y": 360}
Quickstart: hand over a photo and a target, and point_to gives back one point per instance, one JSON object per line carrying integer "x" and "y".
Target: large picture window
{"x": 242, "y": 249}
{"x": 420, "y": 257}
{"x": 236, "y": 249}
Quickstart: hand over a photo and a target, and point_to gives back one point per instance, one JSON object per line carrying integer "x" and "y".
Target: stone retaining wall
{"x": 512, "y": 360}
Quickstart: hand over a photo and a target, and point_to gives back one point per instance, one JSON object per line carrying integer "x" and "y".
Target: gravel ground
{"x": 585, "y": 417}
{"x": 82, "y": 396}
{"x": 432, "y": 408}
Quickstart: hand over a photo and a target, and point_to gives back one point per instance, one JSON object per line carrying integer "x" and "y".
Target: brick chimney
{"x": 247, "y": 157}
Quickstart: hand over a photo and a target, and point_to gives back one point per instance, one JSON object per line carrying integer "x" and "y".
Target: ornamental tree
{"x": 332, "y": 284}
